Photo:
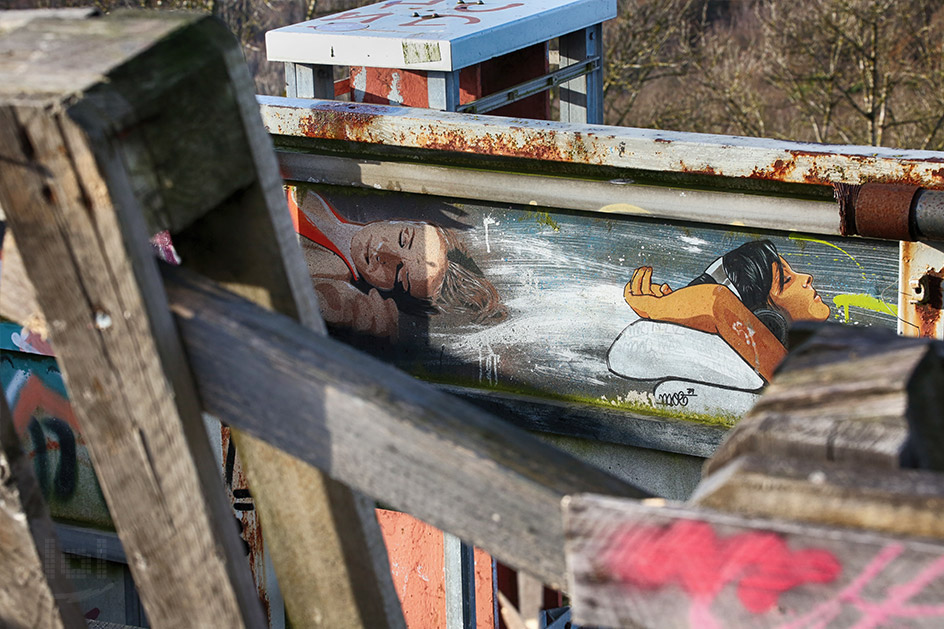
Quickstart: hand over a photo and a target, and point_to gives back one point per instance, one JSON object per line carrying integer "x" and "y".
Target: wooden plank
{"x": 376, "y": 429}
{"x": 17, "y": 297}
{"x": 903, "y": 502}
{"x": 143, "y": 87}
{"x": 634, "y": 564}
{"x": 11, "y": 19}
{"x": 70, "y": 197}
{"x": 248, "y": 245}
{"x": 34, "y": 588}
{"x": 848, "y": 395}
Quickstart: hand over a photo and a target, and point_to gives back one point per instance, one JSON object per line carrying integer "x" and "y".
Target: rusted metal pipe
{"x": 891, "y": 211}
{"x": 929, "y": 214}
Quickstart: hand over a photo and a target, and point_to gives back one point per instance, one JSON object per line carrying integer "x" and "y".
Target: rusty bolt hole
{"x": 928, "y": 291}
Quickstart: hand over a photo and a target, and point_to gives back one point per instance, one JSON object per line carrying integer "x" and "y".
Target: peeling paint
{"x": 660, "y": 151}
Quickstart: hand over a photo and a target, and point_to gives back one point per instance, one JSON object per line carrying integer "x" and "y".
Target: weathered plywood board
{"x": 536, "y": 301}
{"x": 633, "y": 564}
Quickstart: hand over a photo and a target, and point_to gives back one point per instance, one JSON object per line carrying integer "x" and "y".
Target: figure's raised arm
{"x": 711, "y": 308}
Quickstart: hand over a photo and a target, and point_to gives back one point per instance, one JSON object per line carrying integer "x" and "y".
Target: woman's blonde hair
{"x": 465, "y": 289}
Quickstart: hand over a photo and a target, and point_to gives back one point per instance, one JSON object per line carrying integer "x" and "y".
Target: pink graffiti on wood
{"x": 876, "y": 613}
{"x": 690, "y": 555}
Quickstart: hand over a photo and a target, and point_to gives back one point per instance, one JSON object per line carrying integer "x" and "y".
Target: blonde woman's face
{"x": 411, "y": 255}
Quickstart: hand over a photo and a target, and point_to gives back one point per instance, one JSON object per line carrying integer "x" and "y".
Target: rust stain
{"x": 928, "y": 318}
{"x": 706, "y": 170}
{"x": 365, "y": 123}
{"x": 780, "y": 170}
{"x": 928, "y": 314}
{"x": 237, "y": 488}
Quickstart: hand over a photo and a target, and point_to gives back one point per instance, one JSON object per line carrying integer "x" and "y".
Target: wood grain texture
{"x": 34, "y": 590}
{"x": 380, "y": 431}
{"x": 77, "y": 55}
{"x": 670, "y": 566}
{"x": 341, "y": 578}
{"x": 903, "y": 502}
{"x": 11, "y": 19}
{"x": 17, "y": 297}
{"x": 848, "y": 395}
{"x": 71, "y": 199}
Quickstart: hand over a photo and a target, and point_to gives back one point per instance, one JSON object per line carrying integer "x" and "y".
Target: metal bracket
{"x": 529, "y": 88}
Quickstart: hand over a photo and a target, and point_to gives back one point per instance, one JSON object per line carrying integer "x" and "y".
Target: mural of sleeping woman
{"x": 367, "y": 274}
{"x": 726, "y": 329}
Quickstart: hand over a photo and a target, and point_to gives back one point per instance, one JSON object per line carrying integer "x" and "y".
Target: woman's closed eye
{"x": 407, "y": 235}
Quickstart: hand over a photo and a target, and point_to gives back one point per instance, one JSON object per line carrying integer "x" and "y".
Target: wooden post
{"x": 34, "y": 590}
{"x": 78, "y": 166}
{"x": 305, "y": 80}
{"x": 324, "y": 539}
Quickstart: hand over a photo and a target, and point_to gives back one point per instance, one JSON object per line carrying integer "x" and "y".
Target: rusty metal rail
{"x": 726, "y": 180}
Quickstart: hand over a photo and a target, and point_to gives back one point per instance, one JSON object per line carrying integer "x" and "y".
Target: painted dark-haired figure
{"x": 366, "y": 274}
{"x": 748, "y": 297}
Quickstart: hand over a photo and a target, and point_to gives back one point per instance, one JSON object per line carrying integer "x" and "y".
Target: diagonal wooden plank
{"x": 69, "y": 196}
{"x": 248, "y": 245}
{"x": 34, "y": 590}
{"x": 378, "y": 430}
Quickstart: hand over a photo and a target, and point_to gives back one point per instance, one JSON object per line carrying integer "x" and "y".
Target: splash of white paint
{"x": 395, "y": 97}
{"x": 419, "y": 571}
{"x": 488, "y": 220}
{"x": 488, "y": 365}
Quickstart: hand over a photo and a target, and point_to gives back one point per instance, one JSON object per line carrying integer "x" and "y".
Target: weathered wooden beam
{"x": 143, "y": 87}
{"x": 248, "y": 245}
{"x": 636, "y": 564}
{"x": 380, "y": 431}
{"x": 34, "y": 589}
{"x": 17, "y": 297}
{"x": 903, "y": 502}
{"x": 13, "y": 19}
{"x": 77, "y": 164}
{"x": 849, "y": 396}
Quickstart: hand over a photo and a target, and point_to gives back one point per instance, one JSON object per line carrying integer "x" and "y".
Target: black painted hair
{"x": 750, "y": 270}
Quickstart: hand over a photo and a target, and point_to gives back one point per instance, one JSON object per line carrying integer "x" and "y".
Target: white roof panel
{"x": 432, "y": 35}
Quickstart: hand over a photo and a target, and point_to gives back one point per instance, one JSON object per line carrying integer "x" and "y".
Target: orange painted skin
{"x": 715, "y": 309}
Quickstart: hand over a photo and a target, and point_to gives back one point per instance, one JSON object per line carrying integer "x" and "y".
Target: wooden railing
{"x": 99, "y": 150}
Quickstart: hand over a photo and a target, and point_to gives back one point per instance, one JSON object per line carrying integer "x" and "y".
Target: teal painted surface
{"x": 49, "y": 432}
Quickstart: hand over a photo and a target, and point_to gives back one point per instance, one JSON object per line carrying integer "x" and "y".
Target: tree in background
{"x": 645, "y": 43}
{"x": 851, "y": 71}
